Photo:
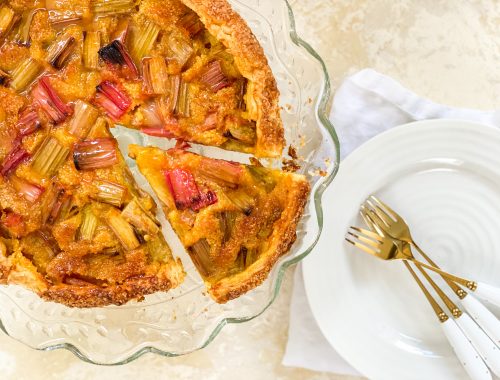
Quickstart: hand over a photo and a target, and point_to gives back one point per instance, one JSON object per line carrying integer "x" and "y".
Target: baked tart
{"x": 74, "y": 226}
{"x": 235, "y": 220}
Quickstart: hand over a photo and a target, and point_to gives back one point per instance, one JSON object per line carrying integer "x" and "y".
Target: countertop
{"x": 446, "y": 50}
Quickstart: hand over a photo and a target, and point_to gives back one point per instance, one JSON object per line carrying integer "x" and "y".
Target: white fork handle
{"x": 468, "y": 356}
{"x": 488, "y": 293}
{"x": 483, "y": 345}
{"x": 483, "y": 317}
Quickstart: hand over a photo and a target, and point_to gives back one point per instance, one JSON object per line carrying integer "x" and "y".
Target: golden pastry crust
{"x": 289, "y": 196}
{"x": 16, "y": 269}
{"x": 132, "y": 289}
{"x": 262, "y": 93}
{"x": 281, "y": 241}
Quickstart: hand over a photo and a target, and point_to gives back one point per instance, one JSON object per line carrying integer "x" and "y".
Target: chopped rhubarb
{"x": 192, "y": 23}
{"x": 241, "y": 199}
{"x": 28, "y": 122}
{"x": 122, "y": 229}
{"x": 16, "y": 156}
{"x": 95, "y": 154}
{"x": 183, "y": 106}
{"x": 158, "y": 132}
{"x": 186, "y": 194}
{"x": 155, "y": 74}
{"x": 183, "y": 188}
{"x": 206, "y": 199}
{"x": 142, "y": 40}
{"x": 222, "y": 172}
{"x": 143, "y": 221}
{"x": 60, "y": 207}
{"x": 214, "y": 78}
{"x": 88, "y": 225}
{"x": 227, "y": 223}
{"x": 263, "y": 177}
{"x": 50, "y": 102}
{"x": 114, "y": 101}
{"x": 242, "y": 90}
{"x": 112, "y": 7}
{"x": 84, "y": 118}
{"x": 150, "y": 116}
{"x": 158, "y": 122}
{"x": 22, "y": 30}
{"x": 180, "y": 49}
{"x": 49, "y": 157}
{"x": 110, "y": 192}
{"x": 12, "y": 219}
{"x": 200, "y": 254}
{"x": 117, "y": 54}
{"x": 28, "y": 190}
{"x": 91, "y": 46}
{"x": 7, "y": 19}
{"x": 60, "y": 52}
{"x": 25, "y": 74}
{"x": 168, "y": 104}
{"x": 242, "y": 130}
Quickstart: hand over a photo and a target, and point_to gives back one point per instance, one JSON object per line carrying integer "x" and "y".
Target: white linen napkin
{"x": 366, "y": 104}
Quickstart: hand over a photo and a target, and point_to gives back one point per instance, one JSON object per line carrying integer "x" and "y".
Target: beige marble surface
{"x": 447, "y": 50}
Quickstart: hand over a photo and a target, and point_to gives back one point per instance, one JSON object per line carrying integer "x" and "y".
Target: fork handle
{"x": 488, "y": 293}
{"x": 466, "y": 353}
{"x": 481, "y": 342}
{"x": 483, "y": 317}
{"x": 471, "y": 285}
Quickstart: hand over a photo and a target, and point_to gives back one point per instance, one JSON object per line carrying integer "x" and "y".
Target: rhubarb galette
{"x": 235, "y": 220}
{"x": 74, "y": 226}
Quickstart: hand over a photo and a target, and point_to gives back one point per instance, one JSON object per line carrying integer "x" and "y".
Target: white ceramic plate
{"x": 443, "y": 177}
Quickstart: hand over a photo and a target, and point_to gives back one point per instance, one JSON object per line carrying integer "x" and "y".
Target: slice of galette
{"x": 235, "y": 220}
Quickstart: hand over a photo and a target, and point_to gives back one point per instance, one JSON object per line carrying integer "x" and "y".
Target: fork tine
{"x": 364, "y": 239}
{"x": 377, "y": 219}
{"x": 384, "y": 206}
{"x": 366, "y": 233}
{"x": 369, "y": 221}
{"x": 362, "y": 247}
{"x": 387, "y": 220}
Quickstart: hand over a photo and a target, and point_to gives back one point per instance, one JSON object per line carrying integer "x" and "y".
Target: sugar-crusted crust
{"x": 134, "y": 288}
{"x": 18, "y": 270}
{"x": 262, "y": 94}
{"x": 283, "y": 237}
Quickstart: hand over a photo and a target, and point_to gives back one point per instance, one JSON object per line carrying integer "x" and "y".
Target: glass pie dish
{"x": 187, "y": 319}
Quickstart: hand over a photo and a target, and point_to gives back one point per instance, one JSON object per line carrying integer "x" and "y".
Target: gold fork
{"x": 385, "y": 248}
{"x": 396, "y": 228}
{"x": 480, "y": 339}
{"x": 483, "y": 317}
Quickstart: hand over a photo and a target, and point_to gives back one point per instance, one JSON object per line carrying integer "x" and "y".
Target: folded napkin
{"x": 366, "y": 104}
